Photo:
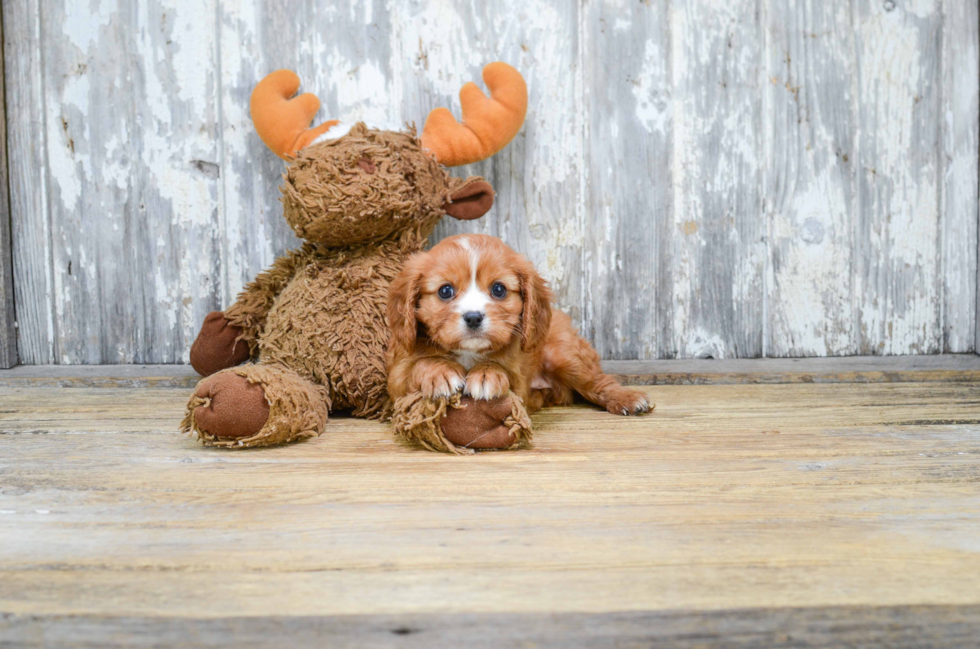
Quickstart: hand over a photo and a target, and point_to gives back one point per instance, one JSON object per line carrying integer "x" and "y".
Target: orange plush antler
{"x": 280, "y": 121}
{"x": 488, "y": 124}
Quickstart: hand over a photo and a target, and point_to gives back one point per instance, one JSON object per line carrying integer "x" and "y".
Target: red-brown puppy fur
{"x": 472, "y": 315}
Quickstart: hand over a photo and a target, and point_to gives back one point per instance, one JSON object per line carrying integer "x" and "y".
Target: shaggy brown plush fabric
{"x": 461, "y": 425}
{"x": 315, "y": 321}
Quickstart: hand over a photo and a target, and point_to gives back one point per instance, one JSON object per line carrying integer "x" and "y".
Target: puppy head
{"x": 470, "y": 293}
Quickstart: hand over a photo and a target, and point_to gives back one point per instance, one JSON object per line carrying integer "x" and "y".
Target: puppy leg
{"x": 570, "y": 361}
{"x": 487, "y": 381}
{"x": 437, "y": 377}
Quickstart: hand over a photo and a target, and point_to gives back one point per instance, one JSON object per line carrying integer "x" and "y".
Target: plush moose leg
{"x": 462, "y": 425}
{"x": 256, "y": 405}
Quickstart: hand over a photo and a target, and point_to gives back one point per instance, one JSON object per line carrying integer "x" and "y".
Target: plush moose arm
{"x": 230, "y": 338}
{"x": 253, "y": 303}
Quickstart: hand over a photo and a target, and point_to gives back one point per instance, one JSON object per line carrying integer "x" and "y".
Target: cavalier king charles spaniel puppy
{"x": 473, "y": 316}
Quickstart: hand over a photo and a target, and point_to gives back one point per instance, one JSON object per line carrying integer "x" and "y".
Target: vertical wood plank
{"x": 174, "y": 225}
{"x": 252, "y": 228}
{"x": 537, "y": 177}
{"x": 627, "y": 268}
{"x": 898, "y": 236}
{"x": 810, "y": 186}
{"x": 30, "y": 229}
{"x": 718, "y": 232}
{"x": 8, "y": 323}
{"x": 959, "y": 117}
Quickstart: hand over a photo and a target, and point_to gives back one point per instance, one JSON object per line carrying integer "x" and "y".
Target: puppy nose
{"x": 473, "y": 319}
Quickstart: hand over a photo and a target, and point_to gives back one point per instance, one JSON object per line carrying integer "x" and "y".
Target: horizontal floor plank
{"x": 851, "y": 369}
{"x": 937, "y": 627}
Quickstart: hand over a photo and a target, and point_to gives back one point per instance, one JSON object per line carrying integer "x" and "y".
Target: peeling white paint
{"x": 552, "y": 159}
{"x": 83, "y": 21}
{"x": 717, "y": 275}
{"x": 703, "y": 344}
{"x": 959, "y": 186}
{"x": 429, "y": 38}
{"x": 652, "y": 97}
{"x": 363, "y": 91}
{"x": 901, "y": 195}
{"x": 919, "y": 8}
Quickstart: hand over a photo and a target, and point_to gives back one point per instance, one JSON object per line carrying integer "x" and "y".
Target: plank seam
{"x": 8, "y": 309}
{"x": 943, "y": 164}
{"x": 46, "y": 195}
{"x": 224, "y": 284}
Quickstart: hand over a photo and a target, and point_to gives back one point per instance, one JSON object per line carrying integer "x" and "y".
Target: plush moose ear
{"x": 470, "y": 200}
{"x": 536, "y": 314}
{"x": 403, "y": 296}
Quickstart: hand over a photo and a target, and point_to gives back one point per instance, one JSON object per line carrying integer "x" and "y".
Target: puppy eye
{"x": 446, "y": 291}
{"x": 498, "y": 290}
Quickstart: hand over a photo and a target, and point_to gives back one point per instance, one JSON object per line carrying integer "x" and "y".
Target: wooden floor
{"x": 743, "y": 515}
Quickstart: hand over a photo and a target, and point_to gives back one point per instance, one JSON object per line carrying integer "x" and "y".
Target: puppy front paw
{"x": 623, "y": 401}
{"x": 441, "y": 381}
{"x": 486, "y": 383}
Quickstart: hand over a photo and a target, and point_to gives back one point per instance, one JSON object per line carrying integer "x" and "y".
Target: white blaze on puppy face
{"x": 472, "y": 299}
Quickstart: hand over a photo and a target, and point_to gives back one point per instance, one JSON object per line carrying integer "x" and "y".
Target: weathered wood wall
{"x": 696, "y": 177}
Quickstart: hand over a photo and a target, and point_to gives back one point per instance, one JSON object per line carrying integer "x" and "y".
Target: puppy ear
{"x": 403, "y": 296}
{"x": 536, "y": 314}
{"x": 470, "y": 199}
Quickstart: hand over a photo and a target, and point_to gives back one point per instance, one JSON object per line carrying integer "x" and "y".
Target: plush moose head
{"x": 364, "y": 185}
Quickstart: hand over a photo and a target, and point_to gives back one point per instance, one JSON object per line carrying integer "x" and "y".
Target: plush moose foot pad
{"x": 480, "y": 424}
{"x": 462, "y": 425}
{"x": 256, "y": 405}
{"x": 226, "y": 406}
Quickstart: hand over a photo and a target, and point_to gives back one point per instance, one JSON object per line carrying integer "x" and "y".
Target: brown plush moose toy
{"x": 313, "y": 325}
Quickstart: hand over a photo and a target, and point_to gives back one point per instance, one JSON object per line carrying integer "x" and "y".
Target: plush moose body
{"x": 314, "y": 323}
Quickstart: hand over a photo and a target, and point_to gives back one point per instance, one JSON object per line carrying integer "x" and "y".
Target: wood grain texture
{"x": 719, "y": 248}
{"x": 30, "y": 227}
{"x": 896, "y": 627}
{"x": 820, "y": 510}
{"x": 115, "y": 219}
{"x": 8, "y": 322}
{"x": 897, "y": 229}
{"x": 697, "y": 178}
{"x": 629, "y": 257}
{"x": 960, "y": 172}
{"x": 810, "y": 186}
